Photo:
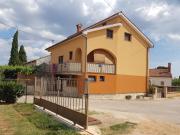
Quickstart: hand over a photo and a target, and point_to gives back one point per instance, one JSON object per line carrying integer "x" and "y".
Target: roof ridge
{"x": 80, "y": 32}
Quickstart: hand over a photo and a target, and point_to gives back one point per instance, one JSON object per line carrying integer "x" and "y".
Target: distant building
{"x": 161, "y": 76}
{"x": 39, "y": 61}
{"x": 29, "y": 81}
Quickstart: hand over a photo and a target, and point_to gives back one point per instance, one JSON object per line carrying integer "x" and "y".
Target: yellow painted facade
{"x": 64, "y": 49}
{"x": 131, "y": 57}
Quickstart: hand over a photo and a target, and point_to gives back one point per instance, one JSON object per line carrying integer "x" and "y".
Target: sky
{"x": 41, "y": 23}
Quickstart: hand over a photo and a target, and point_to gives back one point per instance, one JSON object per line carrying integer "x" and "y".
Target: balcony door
{"x": 61, "y": 59}
{"x": 78, "y": 55}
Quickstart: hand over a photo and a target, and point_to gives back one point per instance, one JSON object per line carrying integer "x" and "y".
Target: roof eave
{"x": 150, "y": 43}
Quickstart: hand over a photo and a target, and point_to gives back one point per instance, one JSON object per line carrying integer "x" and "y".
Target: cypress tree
{"x": 22, "y": 55}
{"x": 14, "y": 57}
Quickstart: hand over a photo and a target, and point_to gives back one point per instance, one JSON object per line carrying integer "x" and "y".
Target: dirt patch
{"x": 152, "y": 127}
{"x": 107, "y": 119}
{"x": 5, "y": 127}
{"x": 144, "y": 127}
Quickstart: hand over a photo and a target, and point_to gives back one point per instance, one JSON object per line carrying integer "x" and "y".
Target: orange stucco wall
{"x": 130, "y": 84}
{"x": 106, "y": 87}
{"x": 117, "y": 84}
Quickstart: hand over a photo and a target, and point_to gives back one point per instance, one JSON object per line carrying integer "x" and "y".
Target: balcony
{"x": 101, "y": 68}
{"x": 76, "y": 68}
{"x": 69, "y": 68}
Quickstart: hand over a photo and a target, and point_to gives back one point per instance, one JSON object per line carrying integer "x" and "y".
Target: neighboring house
{"x": 161, "y": 76}
{"x": 30, "y": 79}
{"x": 112, "y": 54}
{"x": 39, "y": 61}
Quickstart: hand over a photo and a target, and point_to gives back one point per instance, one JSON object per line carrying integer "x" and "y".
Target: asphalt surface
{"x": 167, "y": 110}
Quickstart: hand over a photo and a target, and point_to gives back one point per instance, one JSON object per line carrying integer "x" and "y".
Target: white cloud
{"x": 154, "y": 10}
{"x": 34, "y": 53}
{"x": 174, "y": 36}
{"x": 85, "y": 9}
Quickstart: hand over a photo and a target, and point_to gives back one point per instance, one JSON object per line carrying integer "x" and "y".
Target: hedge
{"x": 18, "y": 69}
{"x": 10, "y": 91}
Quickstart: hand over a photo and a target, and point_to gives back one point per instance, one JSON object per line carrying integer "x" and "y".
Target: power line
{"x": 10, "y": 26}
{"x": 109, "y": 5}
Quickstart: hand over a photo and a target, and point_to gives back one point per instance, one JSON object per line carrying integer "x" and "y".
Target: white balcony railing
{"x": 101, "y": 68}
{"x": 69, "y": 67}
{"x": 76, "y": 68}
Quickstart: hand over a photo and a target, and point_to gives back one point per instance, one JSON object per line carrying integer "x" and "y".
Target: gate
{"x": 61, "y": 96}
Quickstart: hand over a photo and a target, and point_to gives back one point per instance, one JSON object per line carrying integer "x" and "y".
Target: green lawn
{"x": 118, "y": 129}
{"x": 24, "y": 119}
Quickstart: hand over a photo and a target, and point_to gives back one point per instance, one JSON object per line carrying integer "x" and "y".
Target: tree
{"x": 176, "y": 82}
{"x": 14, "y": 57}
{"x": 22, "y": 55}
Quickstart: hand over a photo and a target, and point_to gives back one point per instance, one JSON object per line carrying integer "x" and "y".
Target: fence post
{"x": 86, "y": 101}
{"x": 34, "y": 87}
{"x": 155, "y": 93}
{"x": 26, "y": 93}
{"x": 165, "y": 91}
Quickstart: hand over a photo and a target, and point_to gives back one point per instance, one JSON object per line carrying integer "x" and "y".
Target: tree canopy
{"x": 176, "y": 82}
{"x": 14, "y": 57}
{"x": 22, "y": 55}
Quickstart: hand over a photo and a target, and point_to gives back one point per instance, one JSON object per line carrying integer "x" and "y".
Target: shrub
{"x": 10, "y": 72}
{"x": 9, "y": 91}
{"x": 176, "y": 82}
{"x": 128, "y": 97}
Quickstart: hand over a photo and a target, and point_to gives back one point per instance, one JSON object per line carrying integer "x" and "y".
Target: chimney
{"x": 169, "y": 67}
{"x": 79, "y": 27}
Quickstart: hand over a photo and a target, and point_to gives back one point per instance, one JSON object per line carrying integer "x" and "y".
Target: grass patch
{"x": 24, "y": 119}
{"x": 43, "y": 121}
{"x": 93, "y": 112}
{"x": 122, "y": 128}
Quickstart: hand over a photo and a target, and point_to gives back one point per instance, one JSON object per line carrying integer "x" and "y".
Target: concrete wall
{"x": 158, "y": 80}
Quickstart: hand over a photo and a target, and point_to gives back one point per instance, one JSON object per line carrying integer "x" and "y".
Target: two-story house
{"x": 112, "y": 54}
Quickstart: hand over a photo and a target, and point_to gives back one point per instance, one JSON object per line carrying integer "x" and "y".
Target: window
{"x": 61, "y": 59}
{"x": 102, "y": 78}
{"x": 162, "y": 83}
{"x": 92, "y": 78}
{"x": 109, "y": 33}
{"x": 103, "y": 24}
{"x": 70, "y": 55}
{"x": 127, "y": 36}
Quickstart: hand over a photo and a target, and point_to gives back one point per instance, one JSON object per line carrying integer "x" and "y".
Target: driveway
{"x": 167, "y": 110}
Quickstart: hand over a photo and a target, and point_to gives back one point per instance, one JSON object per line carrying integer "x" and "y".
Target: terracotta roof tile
{"x": 160, "y": 73}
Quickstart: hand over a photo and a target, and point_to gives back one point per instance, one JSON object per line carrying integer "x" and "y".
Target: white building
{"x": 160, "y": 76}
{"x": 39, "y": 61}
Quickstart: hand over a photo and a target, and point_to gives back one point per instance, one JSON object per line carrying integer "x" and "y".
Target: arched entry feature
{"x": 78, "y": 55}
{"x": 101, "y": 56}
{"x": 101, "y": 61}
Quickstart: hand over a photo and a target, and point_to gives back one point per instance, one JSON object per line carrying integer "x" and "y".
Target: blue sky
{"x": 44, "y": 20}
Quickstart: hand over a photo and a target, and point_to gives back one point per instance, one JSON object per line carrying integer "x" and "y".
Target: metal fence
{"x": 173, "y": 88}
{"x": 61, "y": 96}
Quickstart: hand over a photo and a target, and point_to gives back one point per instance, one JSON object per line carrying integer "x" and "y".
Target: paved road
{"x": 167, "y": 110}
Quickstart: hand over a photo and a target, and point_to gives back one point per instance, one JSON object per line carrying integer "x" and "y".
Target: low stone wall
{"x": 130, "y": 96}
